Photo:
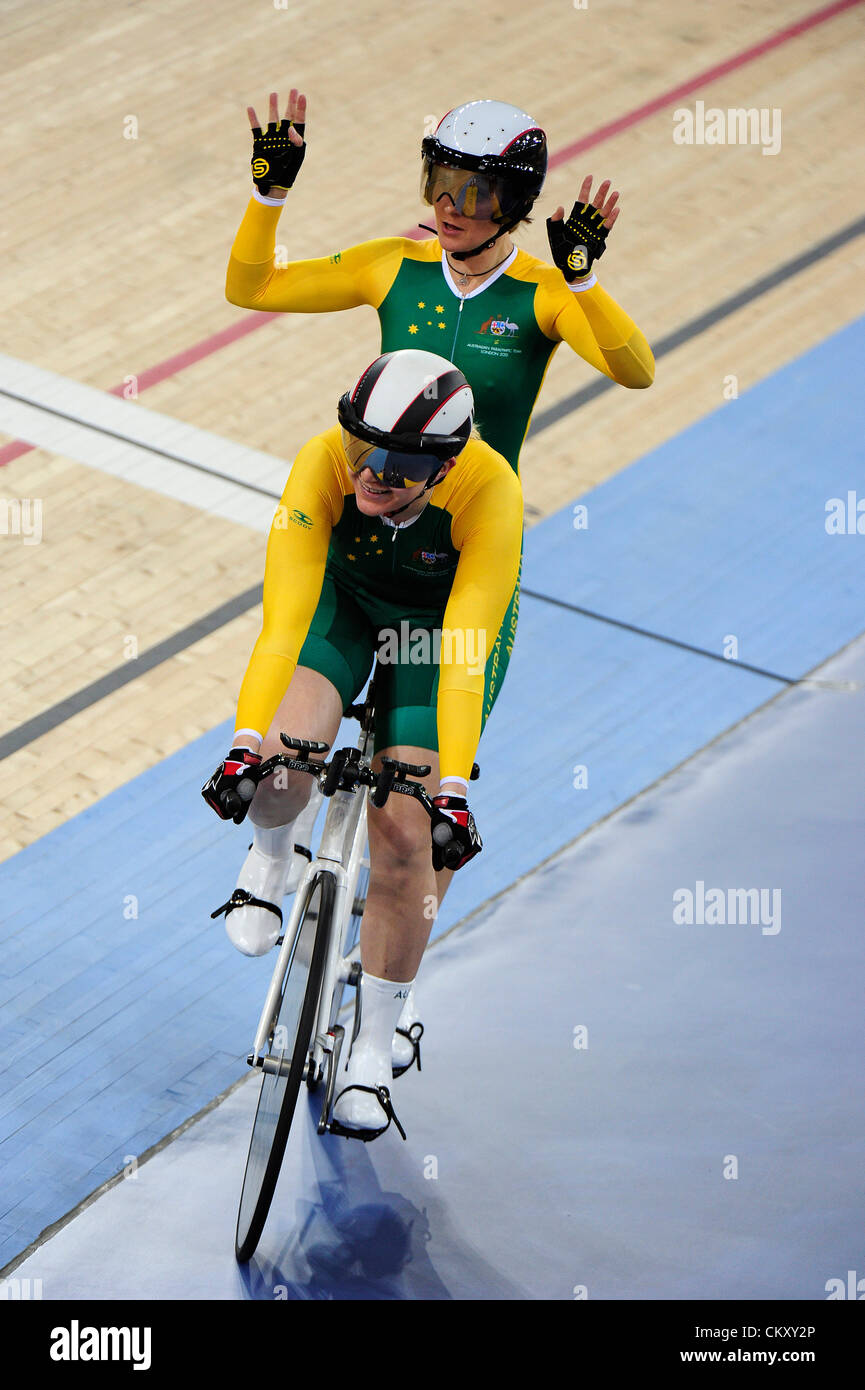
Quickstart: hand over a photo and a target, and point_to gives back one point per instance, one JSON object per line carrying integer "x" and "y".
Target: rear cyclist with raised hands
{"x": 468, "y": 293}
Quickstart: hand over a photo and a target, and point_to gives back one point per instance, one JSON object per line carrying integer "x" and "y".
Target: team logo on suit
{"x": 500, "y": 327}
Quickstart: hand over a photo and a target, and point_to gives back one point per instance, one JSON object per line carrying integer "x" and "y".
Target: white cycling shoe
{"x": 363, "y": 1108}
{"x": 272, "y": 868}
{"x": 253, "y": 913}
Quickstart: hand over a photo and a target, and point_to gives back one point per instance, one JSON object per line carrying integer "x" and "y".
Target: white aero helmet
{"x": 408, "y": 412}
{"x": 501, "y": 145}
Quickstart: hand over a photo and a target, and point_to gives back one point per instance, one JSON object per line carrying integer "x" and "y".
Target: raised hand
{"x": 578, "y": 242}
{"x": 278, "y": 152}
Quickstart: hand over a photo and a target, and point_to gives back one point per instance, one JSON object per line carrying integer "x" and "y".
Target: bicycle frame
{"x": 341, "y": 852}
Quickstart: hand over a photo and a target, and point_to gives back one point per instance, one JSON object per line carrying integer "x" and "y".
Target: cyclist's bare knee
{"x": 399, "y": 831}
{"x": 280, "y": 798}
{"x": 310, "y": 709}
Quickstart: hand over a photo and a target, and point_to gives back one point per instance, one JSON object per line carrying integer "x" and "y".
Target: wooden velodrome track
{"x": 115, "y": 253}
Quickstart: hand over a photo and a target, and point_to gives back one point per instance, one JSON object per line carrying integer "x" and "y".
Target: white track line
{"x": 142, "y": 430}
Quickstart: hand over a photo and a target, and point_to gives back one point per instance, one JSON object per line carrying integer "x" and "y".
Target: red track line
{"x": 792, "y": 31}
{"x": 163, "y": 370}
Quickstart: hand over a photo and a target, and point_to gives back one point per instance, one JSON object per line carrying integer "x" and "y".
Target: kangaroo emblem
{"x": 498, "y": 327}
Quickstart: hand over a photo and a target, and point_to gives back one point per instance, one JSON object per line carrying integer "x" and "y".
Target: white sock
{"x": 381, "y": 1003}
{"x": 369, "y": 1063}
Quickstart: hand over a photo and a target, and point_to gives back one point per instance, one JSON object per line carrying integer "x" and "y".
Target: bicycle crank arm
{"x": 333, "y": 1067}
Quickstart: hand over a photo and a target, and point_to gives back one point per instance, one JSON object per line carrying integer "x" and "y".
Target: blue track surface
{"x": 117, "y": 1027}
{"x": 612, "y": 1100}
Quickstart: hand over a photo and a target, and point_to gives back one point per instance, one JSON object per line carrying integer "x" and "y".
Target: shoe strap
{"x": 382, "y": 1095}
{"x": 241, "y": 898}
{"x": 414, "y": 1035}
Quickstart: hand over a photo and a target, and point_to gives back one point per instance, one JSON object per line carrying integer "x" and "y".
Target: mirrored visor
{"x": 392, "y": 468}
{"x": 475, "y": 195}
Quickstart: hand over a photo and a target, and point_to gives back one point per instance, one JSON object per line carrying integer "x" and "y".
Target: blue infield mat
{"x": 124, "y": 1009}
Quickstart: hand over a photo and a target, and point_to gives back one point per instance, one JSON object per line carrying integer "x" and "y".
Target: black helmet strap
{"x": 476, "y": 250}
{"x": 430, "y": 482}
{"x": 467, "y": 255}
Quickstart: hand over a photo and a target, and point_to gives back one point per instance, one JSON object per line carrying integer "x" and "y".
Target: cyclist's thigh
{"x": 311, "y": 708}
{"x": 333, "y": 665}
{"x": 406, "y": 695}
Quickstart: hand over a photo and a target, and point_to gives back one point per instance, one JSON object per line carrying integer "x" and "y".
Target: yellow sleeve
{"x": 294, "y": 569}
{"x": 596, "y": 327}
{"x": 361, "y": 275}
{"x": 488, "y": 534}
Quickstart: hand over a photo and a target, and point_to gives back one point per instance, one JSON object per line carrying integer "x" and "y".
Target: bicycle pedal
{"x": 366, "y": 1136}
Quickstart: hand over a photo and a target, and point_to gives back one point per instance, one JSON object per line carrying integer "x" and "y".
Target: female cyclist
{"x": 398, "y": 513}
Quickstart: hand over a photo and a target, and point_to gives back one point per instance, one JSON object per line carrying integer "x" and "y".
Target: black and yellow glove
{"x": 579, "y": 241}
{"x": 276, "y": 160}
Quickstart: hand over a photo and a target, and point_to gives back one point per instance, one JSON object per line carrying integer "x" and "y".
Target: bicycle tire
{"x": 277, "y": 1099}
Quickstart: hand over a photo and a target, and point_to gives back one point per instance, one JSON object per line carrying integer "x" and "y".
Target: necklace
{"x": 463, "y": 276}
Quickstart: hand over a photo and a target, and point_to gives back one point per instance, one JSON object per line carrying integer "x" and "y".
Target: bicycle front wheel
{"x": 289, "y": 1045}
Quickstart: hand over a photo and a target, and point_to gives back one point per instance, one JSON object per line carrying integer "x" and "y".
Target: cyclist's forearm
{"x": 488, "y": 533}
{"x": 625, "y": 352}
{"x": 250, "y": 265}
{"x": 459, "y": 732}
{"x": 267, "y": 678}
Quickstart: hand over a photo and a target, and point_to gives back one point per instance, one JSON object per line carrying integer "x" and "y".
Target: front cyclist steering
{"x": 398, "y": 533}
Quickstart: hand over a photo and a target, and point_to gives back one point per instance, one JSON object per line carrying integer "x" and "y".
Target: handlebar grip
{"x": 452, "y": 854}
{"x": 448, "y": 844}
{"x": 234, "y": 801}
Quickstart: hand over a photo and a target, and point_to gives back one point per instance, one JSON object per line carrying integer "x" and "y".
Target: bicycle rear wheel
{"x": 289, "y": 1044}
